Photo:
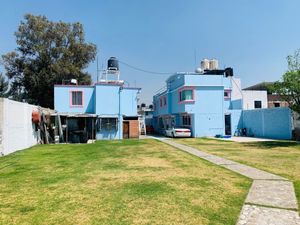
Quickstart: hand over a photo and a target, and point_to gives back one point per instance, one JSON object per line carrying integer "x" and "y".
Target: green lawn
{"x": 279, "y": 157}
{"x": 117, "y": 182}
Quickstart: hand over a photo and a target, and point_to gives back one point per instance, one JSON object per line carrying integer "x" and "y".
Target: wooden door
{"x": 125, "y": 129}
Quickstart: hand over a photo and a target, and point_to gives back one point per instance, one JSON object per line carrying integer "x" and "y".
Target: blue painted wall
{"x": 129, "y": 102}
{"x": 236, "y": 120}
{"x": 107, "y": 99}
{"x": 208, "y": 111}
{"x": 269, "y": 123}
{"x": 62, "y": 99}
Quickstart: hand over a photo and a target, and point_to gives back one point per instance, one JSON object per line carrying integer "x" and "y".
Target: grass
{"x": 117, "y": 182}
{"x": 278, "y": 157}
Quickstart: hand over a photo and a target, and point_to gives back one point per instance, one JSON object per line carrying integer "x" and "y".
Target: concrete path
{"x": 244, "y": 139}
{"x": 271, "y": 199}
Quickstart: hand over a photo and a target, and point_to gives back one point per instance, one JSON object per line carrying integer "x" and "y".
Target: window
{"x": 186, "y": 95}
{"x": 76, "y": 98}
{"x": 163, "y": 101}
{"x": 257, "y": 104}
{"x": 227, "y": 94}
{"x": 186, "y": 120}
{"x": 276, "y": 104}
{"x": 107, "y": 124}
{"x": 160, "y": 123}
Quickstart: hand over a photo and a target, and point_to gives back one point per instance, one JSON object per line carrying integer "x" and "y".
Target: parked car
{"x": 178, "y": 132}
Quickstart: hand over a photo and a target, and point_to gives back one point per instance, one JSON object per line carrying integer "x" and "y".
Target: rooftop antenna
{"x": 97, "y": 70}
{"x": 195, "y": 57}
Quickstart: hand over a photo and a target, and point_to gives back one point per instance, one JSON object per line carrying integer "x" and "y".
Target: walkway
{"x": 244, "y": 139}
{"x": 271, "y": 199}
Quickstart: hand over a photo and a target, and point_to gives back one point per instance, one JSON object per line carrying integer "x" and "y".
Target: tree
{"x": 289, "y": 86}
{"x": 4, "y": 86}
{"x": 47, "y": 53}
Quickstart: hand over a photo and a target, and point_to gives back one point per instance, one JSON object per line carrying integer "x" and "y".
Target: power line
{"x": 145, "y": 71}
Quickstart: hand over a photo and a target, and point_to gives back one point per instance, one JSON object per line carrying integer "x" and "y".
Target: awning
{"x": 108, "y": 116}
{"x": 83, "y": 115}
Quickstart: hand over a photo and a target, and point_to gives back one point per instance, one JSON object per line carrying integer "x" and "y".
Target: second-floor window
{"x": 186, "y": 95}
{"x": 76, "y": 98}
{"x": 257, "y": 104}
{"x": 227, "y": 94}
{"x": 163, "y": 101}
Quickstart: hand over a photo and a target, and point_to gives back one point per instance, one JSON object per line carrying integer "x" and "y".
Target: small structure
{"x": 105, "y": 110}
{"x": 254, "y": 99}
{"x": 274, "y": 100}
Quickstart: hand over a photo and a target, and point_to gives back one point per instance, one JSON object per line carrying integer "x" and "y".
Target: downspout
{"x": 223, "y": 110}
{"x": 119, "y": 116}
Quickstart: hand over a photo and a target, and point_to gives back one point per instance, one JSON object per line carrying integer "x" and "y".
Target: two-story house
{"x": 105, "y": 110}
{"x": 207, "y": 102}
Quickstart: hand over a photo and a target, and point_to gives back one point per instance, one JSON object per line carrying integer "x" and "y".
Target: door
{"x": 228, "y": 124}
{"x": 125, "y": 129}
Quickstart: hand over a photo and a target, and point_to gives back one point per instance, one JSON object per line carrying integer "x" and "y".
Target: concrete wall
{"x": 250, "y": 96}
{"x": 269, "y": 123}
{"x": 17, "y": 131}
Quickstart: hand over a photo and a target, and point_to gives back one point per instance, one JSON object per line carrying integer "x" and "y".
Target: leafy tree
{"x": 289, "y": 86}
{"x": 4, "y": 86}
{"x": 47, "y": 53}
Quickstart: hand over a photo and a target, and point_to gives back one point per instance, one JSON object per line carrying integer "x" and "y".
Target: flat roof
{"x": 96, "y": 84}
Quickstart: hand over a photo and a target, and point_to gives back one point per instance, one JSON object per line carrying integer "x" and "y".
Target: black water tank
{"x": 228, "y": 72}
{"x": 113, "y": 64}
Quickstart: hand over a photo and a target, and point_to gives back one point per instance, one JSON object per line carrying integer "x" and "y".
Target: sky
{"x": 252, "y": 36}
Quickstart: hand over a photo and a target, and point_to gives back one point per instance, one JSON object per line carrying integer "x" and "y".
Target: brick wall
{"x": 134, "y": 129}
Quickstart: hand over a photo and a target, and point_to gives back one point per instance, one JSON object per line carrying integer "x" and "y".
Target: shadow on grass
{"x": 272, "y": 144}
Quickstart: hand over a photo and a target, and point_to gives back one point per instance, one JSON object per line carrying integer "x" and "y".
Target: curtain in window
{"x": 77, "y": 98}
{"x": 107, "y": 124}
{"x": 186, "y": 120}
{"x": 186, "y": 95}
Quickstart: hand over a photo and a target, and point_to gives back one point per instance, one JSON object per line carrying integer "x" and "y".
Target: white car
{"x": 178, "y": 132}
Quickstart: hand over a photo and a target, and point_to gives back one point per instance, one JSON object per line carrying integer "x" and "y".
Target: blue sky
{"x": 252, "y": 36}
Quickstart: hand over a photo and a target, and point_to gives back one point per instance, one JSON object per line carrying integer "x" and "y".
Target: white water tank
{"x": 213, "y": 64}
{"x": 204, "y": 64}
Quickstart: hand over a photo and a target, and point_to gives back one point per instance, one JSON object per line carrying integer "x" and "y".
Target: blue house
{"x": 208, "y": 103}
{"x": 108, "y": 108}
{"x": 211, "y": 102}
{"x": 105, "y": 110}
